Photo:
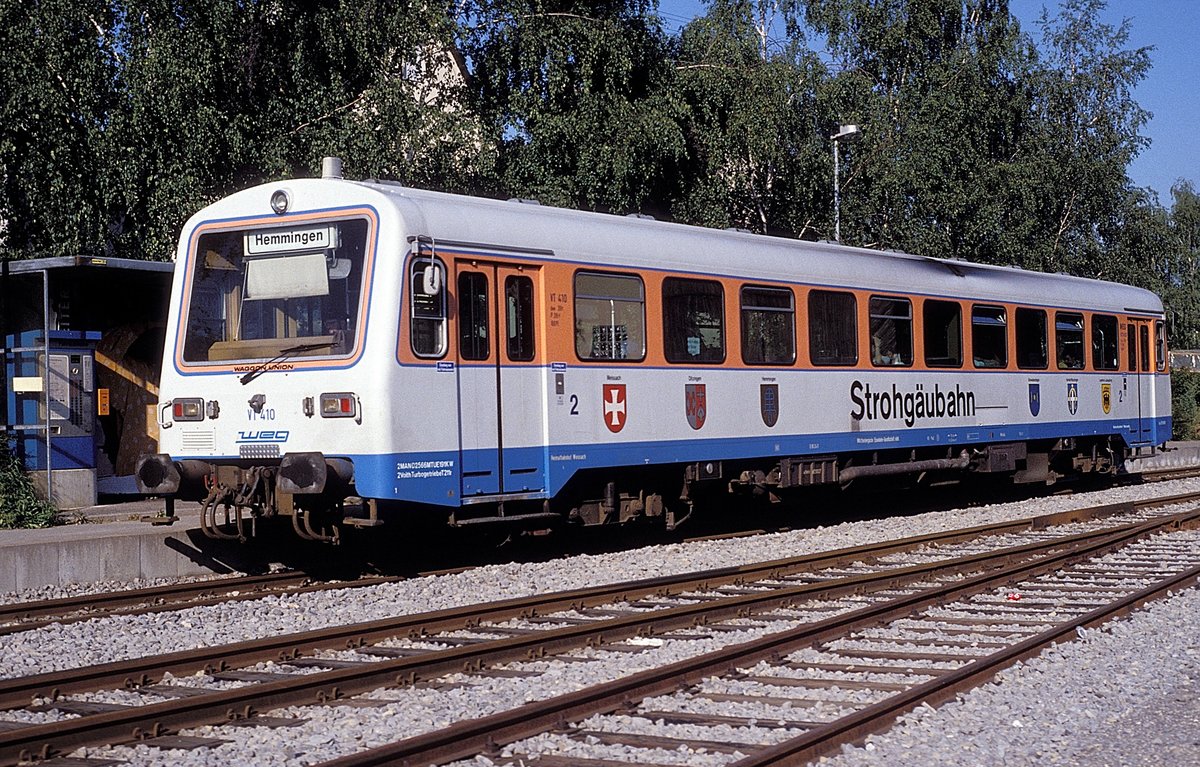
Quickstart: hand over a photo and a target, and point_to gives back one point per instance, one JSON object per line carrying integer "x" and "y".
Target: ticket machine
{"x": 68, "y": 388}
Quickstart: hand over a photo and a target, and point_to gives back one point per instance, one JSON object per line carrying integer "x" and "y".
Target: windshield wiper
{"x": 288, "y": 352}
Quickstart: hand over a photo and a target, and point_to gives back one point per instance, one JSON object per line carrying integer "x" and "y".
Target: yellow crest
{"x": 1106, "y": 397}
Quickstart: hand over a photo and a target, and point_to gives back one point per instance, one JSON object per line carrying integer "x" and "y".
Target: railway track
{"x": 1168, "y": 474}
{"x": 825, "y": 683}
{"x": 420, "y": 649}
{"x": 25, "y": 616}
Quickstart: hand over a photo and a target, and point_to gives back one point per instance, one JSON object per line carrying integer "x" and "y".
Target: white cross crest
{"x": 614, "y": 407}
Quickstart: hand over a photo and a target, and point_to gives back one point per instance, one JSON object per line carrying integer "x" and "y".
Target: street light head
{"x": 846, "y": 133}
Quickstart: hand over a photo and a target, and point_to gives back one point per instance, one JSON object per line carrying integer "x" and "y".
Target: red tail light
{"x": 188, "y": 409}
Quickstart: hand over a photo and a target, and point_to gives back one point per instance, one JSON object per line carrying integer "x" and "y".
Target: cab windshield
{"x": 258, "y": 292}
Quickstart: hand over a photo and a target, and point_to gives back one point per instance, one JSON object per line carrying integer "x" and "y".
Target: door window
{"x": 473, "y": 316}
{"x": 518, "y": 305}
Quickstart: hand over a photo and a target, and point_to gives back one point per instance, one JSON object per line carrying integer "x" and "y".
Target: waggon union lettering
{"x": 910, "y": 406}
{"x": 272, "y": 366}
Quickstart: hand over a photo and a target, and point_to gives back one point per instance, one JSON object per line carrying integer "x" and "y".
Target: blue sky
{"x": 1170, "y": 92}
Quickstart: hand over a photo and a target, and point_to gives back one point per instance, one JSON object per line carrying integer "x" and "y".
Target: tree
{"x": 753, "y": 127}
{"x": 221, "y": 94}
{"x": 1184, "y": 303}
{"x": 58, "y": 71}
{"x": 570, "y": 93}
{"x": 1085, "y": 132}
{"x": 938, "y": 88}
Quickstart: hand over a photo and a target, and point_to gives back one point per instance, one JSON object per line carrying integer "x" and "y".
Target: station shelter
{"x": 81, "y": 342}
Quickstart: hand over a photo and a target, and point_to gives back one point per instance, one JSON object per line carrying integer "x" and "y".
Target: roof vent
{"x": 740, "y": 229}
{"x": 331, "y": 167}
{"x": 643, "y": 216}
{"x": 524, "y": 200}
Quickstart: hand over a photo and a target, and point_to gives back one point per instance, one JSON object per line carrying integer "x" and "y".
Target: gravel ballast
{"x": 1111, "y": 697}
{"x": 1156, "y": 644}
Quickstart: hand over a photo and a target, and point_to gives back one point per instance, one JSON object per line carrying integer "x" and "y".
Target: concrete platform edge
{"x": 123, "y": 552}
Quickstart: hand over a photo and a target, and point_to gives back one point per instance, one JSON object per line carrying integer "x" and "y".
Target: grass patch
{"x": 20, "y": 506}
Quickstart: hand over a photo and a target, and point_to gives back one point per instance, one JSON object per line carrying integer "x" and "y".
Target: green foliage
{"x": 1185, "y": 404}
{"x": 57, "y": 92}
{"x": 572, "y": 94}
{"x": 121, "y": 118}
{"x": 755, "y": 158}
{"x": 222, "y": 94}
{"x": 19, "y": 505}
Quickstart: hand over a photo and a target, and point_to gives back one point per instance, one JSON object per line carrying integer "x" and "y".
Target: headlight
{"x": 338, "y": 405}
{"x": 280, "y": 201}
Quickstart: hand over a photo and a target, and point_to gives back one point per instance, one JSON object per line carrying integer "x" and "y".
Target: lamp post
{"x": 845, "y": 133}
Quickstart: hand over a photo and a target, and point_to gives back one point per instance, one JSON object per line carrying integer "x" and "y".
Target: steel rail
{"x": 472, "y": 737}
{"x": 111, "y": 602}
{"x": 181, "y": 600}
{"x": 1169, "y": 473}
{"x": 144, "y": 721}
{"x": 19, "y": 691}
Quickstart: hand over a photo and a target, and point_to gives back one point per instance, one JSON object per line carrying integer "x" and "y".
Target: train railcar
{"x": 343, "y": 353}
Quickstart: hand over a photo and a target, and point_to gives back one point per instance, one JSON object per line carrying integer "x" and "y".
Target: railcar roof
{"x": 644, "y": 244}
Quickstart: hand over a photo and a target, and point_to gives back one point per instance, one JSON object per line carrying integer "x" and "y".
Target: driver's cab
{"x": 257, "y": 292}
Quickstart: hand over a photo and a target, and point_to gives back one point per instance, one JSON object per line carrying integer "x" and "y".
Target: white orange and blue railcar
{"x": 345, "y": 353}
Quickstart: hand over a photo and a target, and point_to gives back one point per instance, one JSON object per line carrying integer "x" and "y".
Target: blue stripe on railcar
{"x": 435, "y": 478}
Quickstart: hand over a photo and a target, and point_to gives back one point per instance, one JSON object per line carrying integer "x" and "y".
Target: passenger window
{"x": 610, "y": 317}
{"x": 518, "y": 317}
{"x": 943, "y": 334}
{"x": 1068, "y": 340}
{"x": 1031, "y": 339}
{"x": 473, "y": 316}
{"x": 832, "y": 328}
{"x": 427, "y": 329}
{"x": 693, "y": 320}
{"x": 1160, "y": 345}
{"x": 989, "y": 336}
{"x": 768, "y": 326}
{"x": 1104, "y": 342}
{"x": 891, "y": 331}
